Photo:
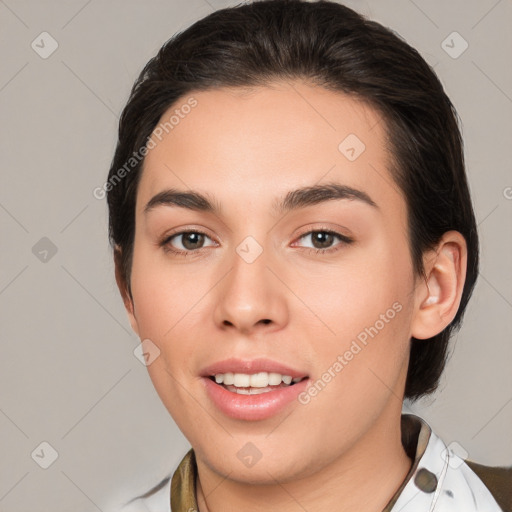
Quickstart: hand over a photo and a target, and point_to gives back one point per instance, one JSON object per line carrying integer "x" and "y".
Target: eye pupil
{"x": 325, "y": 239}
{"x": 191, "y": 240}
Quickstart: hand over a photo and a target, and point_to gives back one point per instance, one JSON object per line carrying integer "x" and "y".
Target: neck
{"x": 364, "y": 478}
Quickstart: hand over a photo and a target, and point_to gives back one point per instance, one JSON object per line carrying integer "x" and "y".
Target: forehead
{"x": 250, "y": 144}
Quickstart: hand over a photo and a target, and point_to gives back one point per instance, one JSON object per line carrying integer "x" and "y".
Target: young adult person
{"x": 294, "y": 238}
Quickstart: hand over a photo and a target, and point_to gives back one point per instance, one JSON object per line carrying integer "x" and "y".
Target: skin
{"x": 245, "y": 149}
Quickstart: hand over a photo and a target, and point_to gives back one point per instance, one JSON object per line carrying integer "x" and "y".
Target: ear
{"x": 124, "y": 289}
{"x": 438, "y": 297}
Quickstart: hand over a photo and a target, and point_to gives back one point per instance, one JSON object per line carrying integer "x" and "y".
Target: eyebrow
{"x": 293, "y": 200}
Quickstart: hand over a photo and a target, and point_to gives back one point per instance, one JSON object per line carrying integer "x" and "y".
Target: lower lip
{"x": 253, "y": 407}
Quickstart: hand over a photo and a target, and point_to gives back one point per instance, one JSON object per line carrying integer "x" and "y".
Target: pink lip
{"x": 252, "y": 407}
{"x": 235, "y": 365}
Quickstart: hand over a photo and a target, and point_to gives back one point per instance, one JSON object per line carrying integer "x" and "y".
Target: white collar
{"x": 443, "y": 482}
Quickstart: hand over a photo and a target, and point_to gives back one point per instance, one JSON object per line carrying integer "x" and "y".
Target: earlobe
{"x": 438, "y": 298}
{"x": 123, "y": 290}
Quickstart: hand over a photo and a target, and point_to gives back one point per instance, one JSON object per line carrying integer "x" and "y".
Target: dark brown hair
{"x": 332, "y": 46}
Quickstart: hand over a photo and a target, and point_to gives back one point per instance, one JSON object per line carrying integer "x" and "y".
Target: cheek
{"x": 352, "y": 295}
{"x": 164, "y": 299}
{"x": 367, "y": 306}
{"x": 166, "y": 309}
{"x": 162, "y": 293}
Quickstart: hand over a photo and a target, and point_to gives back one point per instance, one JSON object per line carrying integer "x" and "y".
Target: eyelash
{"x": 345, "y": 240}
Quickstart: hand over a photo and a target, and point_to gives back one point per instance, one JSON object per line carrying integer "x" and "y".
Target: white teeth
{"x": 241, "y": 380}
{"x": 255, "y": 380}
{"x": 250, "y": 391}
{"x": 259, "y": 380}
{"x": 274, "y": 379}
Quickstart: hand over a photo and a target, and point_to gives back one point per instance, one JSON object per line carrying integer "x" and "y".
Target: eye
{"x": 185, "y": 242}
{"x": 322, "y": 240}
{"x": 188, "y": 242}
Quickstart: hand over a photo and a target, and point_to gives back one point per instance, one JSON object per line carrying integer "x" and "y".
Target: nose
{"x": 251, "y": 298}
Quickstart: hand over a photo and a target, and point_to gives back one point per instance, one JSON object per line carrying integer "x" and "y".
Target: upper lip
{"x": 250, "y": 366}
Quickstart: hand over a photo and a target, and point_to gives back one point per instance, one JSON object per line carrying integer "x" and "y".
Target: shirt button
{"x": 425, "y": 480}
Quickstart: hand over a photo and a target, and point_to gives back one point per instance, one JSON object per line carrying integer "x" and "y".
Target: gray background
{"x": 68, "y": 375}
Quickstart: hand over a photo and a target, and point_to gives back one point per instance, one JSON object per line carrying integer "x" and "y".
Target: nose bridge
{"x": 250, "y": 265}
{"x": 250, "y": 294}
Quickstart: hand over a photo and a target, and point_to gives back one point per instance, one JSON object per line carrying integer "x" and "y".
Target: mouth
{"x": 255, "y": 383}
{"x": 252, "y": 389}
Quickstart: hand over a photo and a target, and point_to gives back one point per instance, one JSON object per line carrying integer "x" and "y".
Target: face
{"x": 252, "y": 278}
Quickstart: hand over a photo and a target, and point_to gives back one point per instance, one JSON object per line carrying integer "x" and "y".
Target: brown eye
{"x": 192, "y": 240}
{"x": 186, "y": 242}
{"x": 323, "y": 240}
